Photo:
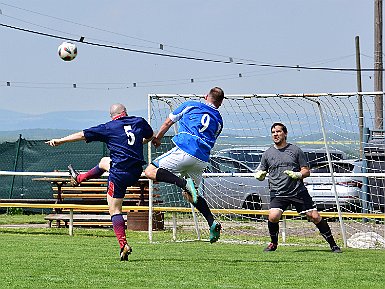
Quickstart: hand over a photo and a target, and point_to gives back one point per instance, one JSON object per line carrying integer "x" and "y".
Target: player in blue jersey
{"x": 199, "y": 127}
{"x": 124, "y": 136}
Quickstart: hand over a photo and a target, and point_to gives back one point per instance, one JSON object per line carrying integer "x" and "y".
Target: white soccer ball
{"x": 67, "y": 51}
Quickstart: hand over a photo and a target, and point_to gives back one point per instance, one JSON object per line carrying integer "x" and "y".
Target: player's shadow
{"x": 230, "y": 262}
{"x": 307, "y": 250}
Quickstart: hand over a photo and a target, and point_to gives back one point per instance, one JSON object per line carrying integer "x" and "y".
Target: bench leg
{"x": 71, "y": 226}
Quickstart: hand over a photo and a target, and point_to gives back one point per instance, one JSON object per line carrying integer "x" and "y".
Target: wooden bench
{"x": 87, "y": 194}
{"x": 95, "y": 189}
{"x": 94, "y": 192}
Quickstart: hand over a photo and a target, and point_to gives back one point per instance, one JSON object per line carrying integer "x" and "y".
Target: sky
{"x": 280, "y": 32}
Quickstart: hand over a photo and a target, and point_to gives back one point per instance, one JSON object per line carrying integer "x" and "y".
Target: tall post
{"x": 378, "y": 85}
{"x": 359, "y": 96}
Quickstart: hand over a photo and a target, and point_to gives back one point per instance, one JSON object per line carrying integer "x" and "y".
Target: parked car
{"x": 251, "y": 156}
{"x": 233, "y": 192}
{"x": 246, "y": 192}
{"x": 348, "y": 188}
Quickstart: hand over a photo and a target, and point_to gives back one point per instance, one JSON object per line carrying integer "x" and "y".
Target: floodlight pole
{"x": 378, "y": 65}
{"x": 359, "y": 97}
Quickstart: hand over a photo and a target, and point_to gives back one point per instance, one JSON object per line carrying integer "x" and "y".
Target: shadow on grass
{"x": 193, "y": 262}
{"x": 56, "y": 231}
{"x": 307, "y": 250}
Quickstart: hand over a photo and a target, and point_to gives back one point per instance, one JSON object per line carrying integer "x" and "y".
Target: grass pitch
{"x": 50, "y": 258}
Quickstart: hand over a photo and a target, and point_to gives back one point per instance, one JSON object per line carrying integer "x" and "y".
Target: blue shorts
{"x": 118, "y": 181}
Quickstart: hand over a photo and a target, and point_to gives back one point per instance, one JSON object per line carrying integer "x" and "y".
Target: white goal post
{"x": 336, "y": 131}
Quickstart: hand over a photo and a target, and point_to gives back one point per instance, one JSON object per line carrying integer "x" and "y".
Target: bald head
{"x": 117, "y": 109}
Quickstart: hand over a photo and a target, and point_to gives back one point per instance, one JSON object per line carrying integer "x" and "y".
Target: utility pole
{"x": 359, "y": 89}
{"x": 378, "y": 85}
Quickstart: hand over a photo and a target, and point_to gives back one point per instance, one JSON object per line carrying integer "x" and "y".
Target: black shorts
{"x": 302, "y": 202}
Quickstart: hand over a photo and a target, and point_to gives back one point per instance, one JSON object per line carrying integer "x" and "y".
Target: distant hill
{"x": 34, "y": 134}
{"x": 73, "y": 120}
{"x": 50, "y": 125}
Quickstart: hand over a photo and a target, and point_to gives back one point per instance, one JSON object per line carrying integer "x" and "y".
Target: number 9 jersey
{"x": 199, "y": 127}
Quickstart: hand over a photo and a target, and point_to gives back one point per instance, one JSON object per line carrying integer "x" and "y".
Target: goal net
{"x": 336, "y": 132}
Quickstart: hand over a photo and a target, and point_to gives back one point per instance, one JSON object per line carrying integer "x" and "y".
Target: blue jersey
{"x": 199, "y": 127}
{"x": 124, "y": 138}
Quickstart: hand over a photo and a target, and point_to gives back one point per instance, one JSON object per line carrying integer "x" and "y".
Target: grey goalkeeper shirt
{"x": 275, "y": 162}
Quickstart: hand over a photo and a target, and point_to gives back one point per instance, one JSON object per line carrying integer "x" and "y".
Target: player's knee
{"x": 317, "y": 219}
{"x": 274, "y": 218}
{"x": 114, "y": 211}
{"x": 114, "y": 205}
{"x": 105, "y": 163}
{"x": 150, "y": 172}
{"x": 314, "y": 217}
{"x": 274, "y": 215}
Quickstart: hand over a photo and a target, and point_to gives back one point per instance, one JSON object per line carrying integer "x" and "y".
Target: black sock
{"x": 273, "y": 230}
{"x": 202, "y": 207}
{"x": 163, "y": 175}
{"x": 325, "y": 231}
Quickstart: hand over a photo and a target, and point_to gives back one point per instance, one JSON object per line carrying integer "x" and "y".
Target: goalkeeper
{"x": 287, "y": 167}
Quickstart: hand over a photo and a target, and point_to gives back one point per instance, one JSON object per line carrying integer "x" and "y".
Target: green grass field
{"x": 50, "y": 258}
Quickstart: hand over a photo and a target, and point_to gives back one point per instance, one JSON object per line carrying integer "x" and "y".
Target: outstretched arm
{"x": 163, "y": 129}
{"x": 69, "y": 138}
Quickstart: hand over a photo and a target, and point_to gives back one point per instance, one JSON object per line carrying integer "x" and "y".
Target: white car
{"x": 232, "y": 191}
{"x": 348, "y": 188}
{"x": 251, "y": 156}
{"x": 320, "y": 188}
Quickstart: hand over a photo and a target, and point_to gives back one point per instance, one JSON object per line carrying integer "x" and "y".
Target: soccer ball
{"x": 67, "y": 51}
